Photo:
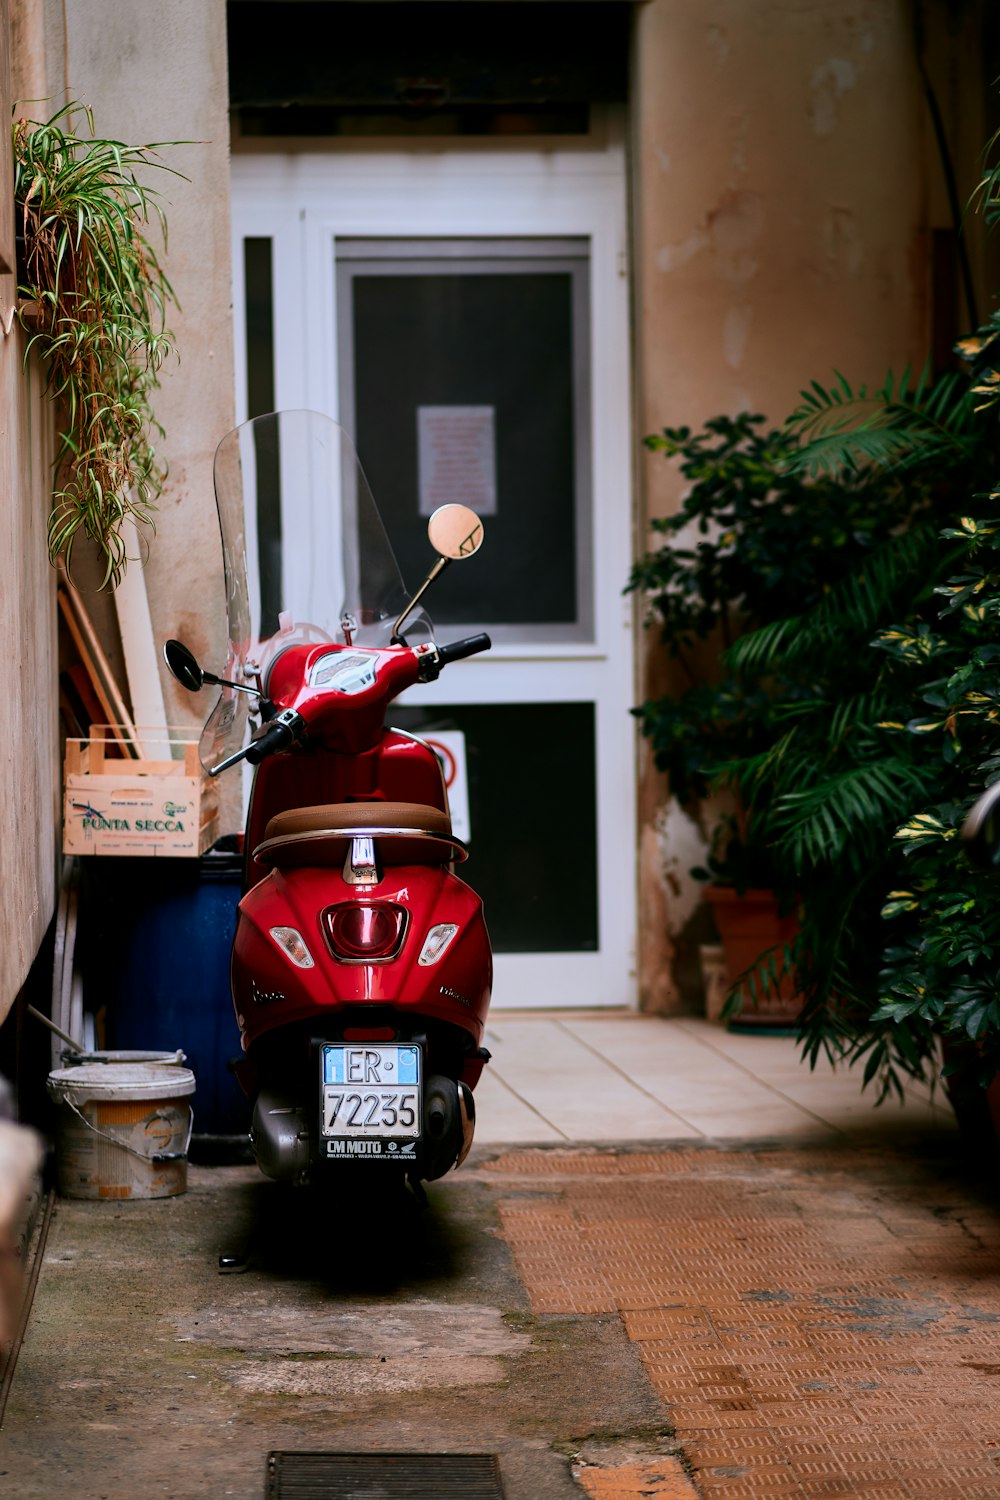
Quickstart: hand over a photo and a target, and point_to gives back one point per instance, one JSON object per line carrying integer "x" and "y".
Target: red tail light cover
{"x": 364, "y": 932}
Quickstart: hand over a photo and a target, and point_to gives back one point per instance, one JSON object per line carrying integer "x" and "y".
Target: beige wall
{"x": 157, "y": 72}
{"x": 29, "y": 764}
{"x": 779, "y": 191}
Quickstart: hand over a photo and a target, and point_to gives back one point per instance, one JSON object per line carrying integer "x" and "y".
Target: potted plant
{"x": 900, "y": 941}
{"x": 866, "y": 790}
{"x": 94, "y": 296}
{"x": 754, "y": 538}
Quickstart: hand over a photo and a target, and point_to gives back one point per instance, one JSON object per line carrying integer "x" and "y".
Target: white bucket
{"x": 122, "y": 1131}
{"x": 78, "y": 1059}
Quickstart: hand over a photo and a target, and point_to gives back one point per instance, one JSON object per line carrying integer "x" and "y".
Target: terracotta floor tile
{"x": 656, "y": 1478}
{"x": 815, "y": 1319}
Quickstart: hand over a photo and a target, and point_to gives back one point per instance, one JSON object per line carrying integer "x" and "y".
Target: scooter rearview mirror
{"x": 455, "y": 531}
{"x": 182, "y": 664}
{"x": 981, "y": 830}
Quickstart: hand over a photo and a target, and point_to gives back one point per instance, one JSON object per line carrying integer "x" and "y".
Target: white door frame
{"x": 303, "y": 202}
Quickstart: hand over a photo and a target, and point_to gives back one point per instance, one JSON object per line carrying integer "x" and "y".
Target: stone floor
{"x": 617, "y": 1076}
{"x": 677, "y": 1265}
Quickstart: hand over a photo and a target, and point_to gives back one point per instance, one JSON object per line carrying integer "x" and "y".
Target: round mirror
{"x": 981, "y": 830}
{"x": 455, "y": 531}
{"x": 183, "y": 666}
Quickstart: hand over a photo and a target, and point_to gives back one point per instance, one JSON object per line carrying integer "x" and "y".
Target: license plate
{"x": 370, "y": 1093}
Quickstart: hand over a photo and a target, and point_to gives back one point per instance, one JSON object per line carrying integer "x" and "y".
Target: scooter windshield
{"x": 306, "y": 555}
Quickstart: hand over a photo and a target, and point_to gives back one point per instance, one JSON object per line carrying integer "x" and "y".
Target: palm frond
{"x": 859, "y": 712}
{"x": 896, "y": 427}
{"x": 848, "y": 815}
{"x": 853, "y": 609}
{"x": 763, "y": 649}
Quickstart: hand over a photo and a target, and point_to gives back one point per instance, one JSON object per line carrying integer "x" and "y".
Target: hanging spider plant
{"x": 95, "y": 298}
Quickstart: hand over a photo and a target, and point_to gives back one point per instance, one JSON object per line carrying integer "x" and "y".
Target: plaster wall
{"x": 29, "y": 753}
{"x": 157, "y": 73}
{"x": 780, "y": 233}
{"x": 29, "y": 761}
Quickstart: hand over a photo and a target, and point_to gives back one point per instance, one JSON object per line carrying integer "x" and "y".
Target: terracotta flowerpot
{"x": 749, "y": 925}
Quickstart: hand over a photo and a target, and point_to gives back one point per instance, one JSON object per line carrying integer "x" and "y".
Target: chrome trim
{"x": 461, "y": 849}
{"x": 361, "y": 865}
{"x": 467, "y": 1113}
{"x": 418, "y": 740}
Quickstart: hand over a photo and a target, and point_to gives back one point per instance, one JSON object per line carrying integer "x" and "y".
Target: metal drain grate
{"x": 383, "y": 1476}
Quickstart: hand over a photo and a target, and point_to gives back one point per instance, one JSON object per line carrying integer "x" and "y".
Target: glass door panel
{"x": 533, "y": 818}
{"x": 465, "y": 377}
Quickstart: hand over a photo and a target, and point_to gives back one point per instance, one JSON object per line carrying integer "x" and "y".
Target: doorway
{"x": 463, "y": 312}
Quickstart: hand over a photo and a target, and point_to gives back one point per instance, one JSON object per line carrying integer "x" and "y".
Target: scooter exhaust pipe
{"x": 280, "y": 1135}
{"x": 449, "y": 1120}
{"x": 439, "y": 1112}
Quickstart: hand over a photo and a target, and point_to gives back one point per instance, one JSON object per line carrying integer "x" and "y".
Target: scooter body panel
{"x": 399, "y": 768}
{"x": 270, "y": 990}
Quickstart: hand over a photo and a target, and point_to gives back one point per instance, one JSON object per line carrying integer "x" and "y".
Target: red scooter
{"x": 361, "y": 965}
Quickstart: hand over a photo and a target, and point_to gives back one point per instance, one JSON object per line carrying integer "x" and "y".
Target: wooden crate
{"x": 136, "y": 806}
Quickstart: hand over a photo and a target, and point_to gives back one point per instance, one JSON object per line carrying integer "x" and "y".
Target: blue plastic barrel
{"x": 158, "y": 934}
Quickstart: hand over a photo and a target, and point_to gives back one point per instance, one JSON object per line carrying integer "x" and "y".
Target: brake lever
{"x": 230, "y": 760}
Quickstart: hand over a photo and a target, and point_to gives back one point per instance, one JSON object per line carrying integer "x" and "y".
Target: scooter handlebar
{"x": 458, "y": 650}
{"x": 277, "y": 735}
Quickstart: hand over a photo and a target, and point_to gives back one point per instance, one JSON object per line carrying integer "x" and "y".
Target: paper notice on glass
{"x": 457, "y": 458}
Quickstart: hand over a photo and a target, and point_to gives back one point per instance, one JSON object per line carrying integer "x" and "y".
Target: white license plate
{"x": 370, "y": 1092}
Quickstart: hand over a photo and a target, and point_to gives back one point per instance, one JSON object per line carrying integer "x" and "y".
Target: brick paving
{"x": 660, "y": 1478}
{"x": 822, "y": 1322}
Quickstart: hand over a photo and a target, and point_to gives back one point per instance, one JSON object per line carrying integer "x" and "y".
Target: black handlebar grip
{"x": 275, "y": 737}
{"x": 457, "y": 650}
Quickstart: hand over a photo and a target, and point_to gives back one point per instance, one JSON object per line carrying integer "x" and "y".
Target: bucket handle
{"x": 158, "y": 1156}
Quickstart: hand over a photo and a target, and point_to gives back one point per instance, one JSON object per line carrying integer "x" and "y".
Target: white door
{"x": 470, "y": 307}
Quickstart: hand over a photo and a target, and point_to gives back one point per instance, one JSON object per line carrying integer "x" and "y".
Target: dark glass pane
{"x": 496, "y": 342}
{"x": 532, "y": 810}
{"x": 260, "y": 325}
{"x": 260, "y": 399}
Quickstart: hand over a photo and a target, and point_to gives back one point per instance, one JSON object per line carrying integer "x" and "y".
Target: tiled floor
{"x": 600, "y": 1076}
{"x": 821, "y": 1321}
{"x": 820, "y": 1317}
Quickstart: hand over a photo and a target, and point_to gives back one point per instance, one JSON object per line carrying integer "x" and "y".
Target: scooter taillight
{"x": 365, "y": 932}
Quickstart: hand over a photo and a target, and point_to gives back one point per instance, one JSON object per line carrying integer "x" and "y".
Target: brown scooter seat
{"x": 405, "y": 833}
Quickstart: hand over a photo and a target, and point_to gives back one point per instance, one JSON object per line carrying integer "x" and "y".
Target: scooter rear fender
{"x": 269, "y": 990}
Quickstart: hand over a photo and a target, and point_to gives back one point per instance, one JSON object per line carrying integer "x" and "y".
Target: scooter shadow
{"x": 355, "y": 1234}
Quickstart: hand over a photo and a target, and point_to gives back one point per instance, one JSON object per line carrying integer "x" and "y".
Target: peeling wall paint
{"x": 829, "y": 82}
{"x": 735, "y": 332}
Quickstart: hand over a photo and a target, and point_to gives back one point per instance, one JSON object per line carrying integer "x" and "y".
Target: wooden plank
{"x": 69, "y": 615}
{"x": 120, "y": 712}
